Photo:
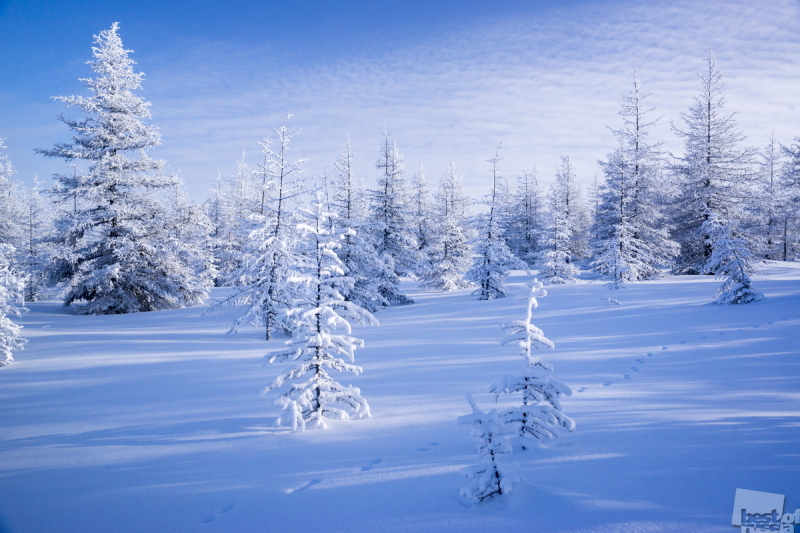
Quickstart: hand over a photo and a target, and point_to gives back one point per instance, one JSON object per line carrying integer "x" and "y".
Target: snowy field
{"x": 154, "y": 422}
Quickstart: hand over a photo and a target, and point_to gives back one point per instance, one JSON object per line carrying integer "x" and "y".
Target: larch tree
{"x": 37, "y": 237}
{"x": 790, "y": 204}
{"x": 271, "y": 248}
{"x": 423, "y": 219}
{"x": 449, "y": 253}
{"x": 526, "y": 221}
{"x": 766, "y": 220}
{"x": 631, "y": 237}
{"x": 566, "y": 229}
{"x": 715, "y": 174}
{"x": 114, "y": 237}
{"x": 493, "y": 260}
{"x": 320, "y": 320}
{"x": 390, "y": 223}
{"x": 348, "y": 200}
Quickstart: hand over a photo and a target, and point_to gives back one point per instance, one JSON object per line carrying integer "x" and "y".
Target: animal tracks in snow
{"x": 224, "y": 508}
{"x": 371, "y": 465}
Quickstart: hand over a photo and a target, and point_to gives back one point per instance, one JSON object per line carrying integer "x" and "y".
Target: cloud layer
{"x": 545, "y": 85}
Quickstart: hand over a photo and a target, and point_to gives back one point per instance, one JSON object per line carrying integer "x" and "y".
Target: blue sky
{"x": 447, "y": 79}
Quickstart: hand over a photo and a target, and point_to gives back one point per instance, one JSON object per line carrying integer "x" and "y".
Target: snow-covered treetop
{"x": 116, "y": 113}
{"x": 528, "y": 336}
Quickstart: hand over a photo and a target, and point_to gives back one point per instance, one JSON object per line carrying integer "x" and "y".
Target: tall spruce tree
{"x": 714, "y": 173}
{"x": 115, "y": 237}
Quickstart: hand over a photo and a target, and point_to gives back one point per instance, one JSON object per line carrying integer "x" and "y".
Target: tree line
{"x": 116, "y": 234}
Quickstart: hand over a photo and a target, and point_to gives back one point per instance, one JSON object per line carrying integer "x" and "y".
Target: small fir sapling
{"x": 539, "y": 416}
{"x": 319, "y": 310}
{"x": 490, "y": 477}
{"x": 730, "y": 260}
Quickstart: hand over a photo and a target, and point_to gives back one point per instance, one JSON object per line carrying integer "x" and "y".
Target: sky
{"x": 448, "y": 80}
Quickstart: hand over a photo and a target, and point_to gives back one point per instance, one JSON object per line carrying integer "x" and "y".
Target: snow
{"x": 154, "y": 422}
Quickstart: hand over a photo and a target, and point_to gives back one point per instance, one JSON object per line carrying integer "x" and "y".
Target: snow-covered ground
{"x": 153, "y": 422}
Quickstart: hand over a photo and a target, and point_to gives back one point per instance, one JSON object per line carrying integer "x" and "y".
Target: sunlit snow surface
{"x": 154, "y": 422}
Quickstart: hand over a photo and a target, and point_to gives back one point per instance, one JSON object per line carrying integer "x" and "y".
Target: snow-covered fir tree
{"x": 271, "y": 249}
{"x": 714, "y": 173}
{"x": 490, "y": 476}
{"x": 526, "y": 221}
{"x": 449, "y": 254}
{"x": 565, "y": 231}
{"x": 540, "y": 416}
{"x": 731, "y": 261}
{"x": 11, "y": 289}
{"x": 365, "y": 267}
{"x": 320, "y": 320}
{"x": 423, "y": 217}
{"x": 113, "y": 238}
{"x": 631, "y": 238}
{"x": 390, "y": 223}
{"x": 493, "y": 260}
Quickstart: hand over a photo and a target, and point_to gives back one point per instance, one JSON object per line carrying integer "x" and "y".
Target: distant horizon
{"x": 448, "y": 80}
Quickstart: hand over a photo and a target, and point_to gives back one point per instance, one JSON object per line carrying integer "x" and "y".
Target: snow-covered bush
{"x": 319, "y": 311}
